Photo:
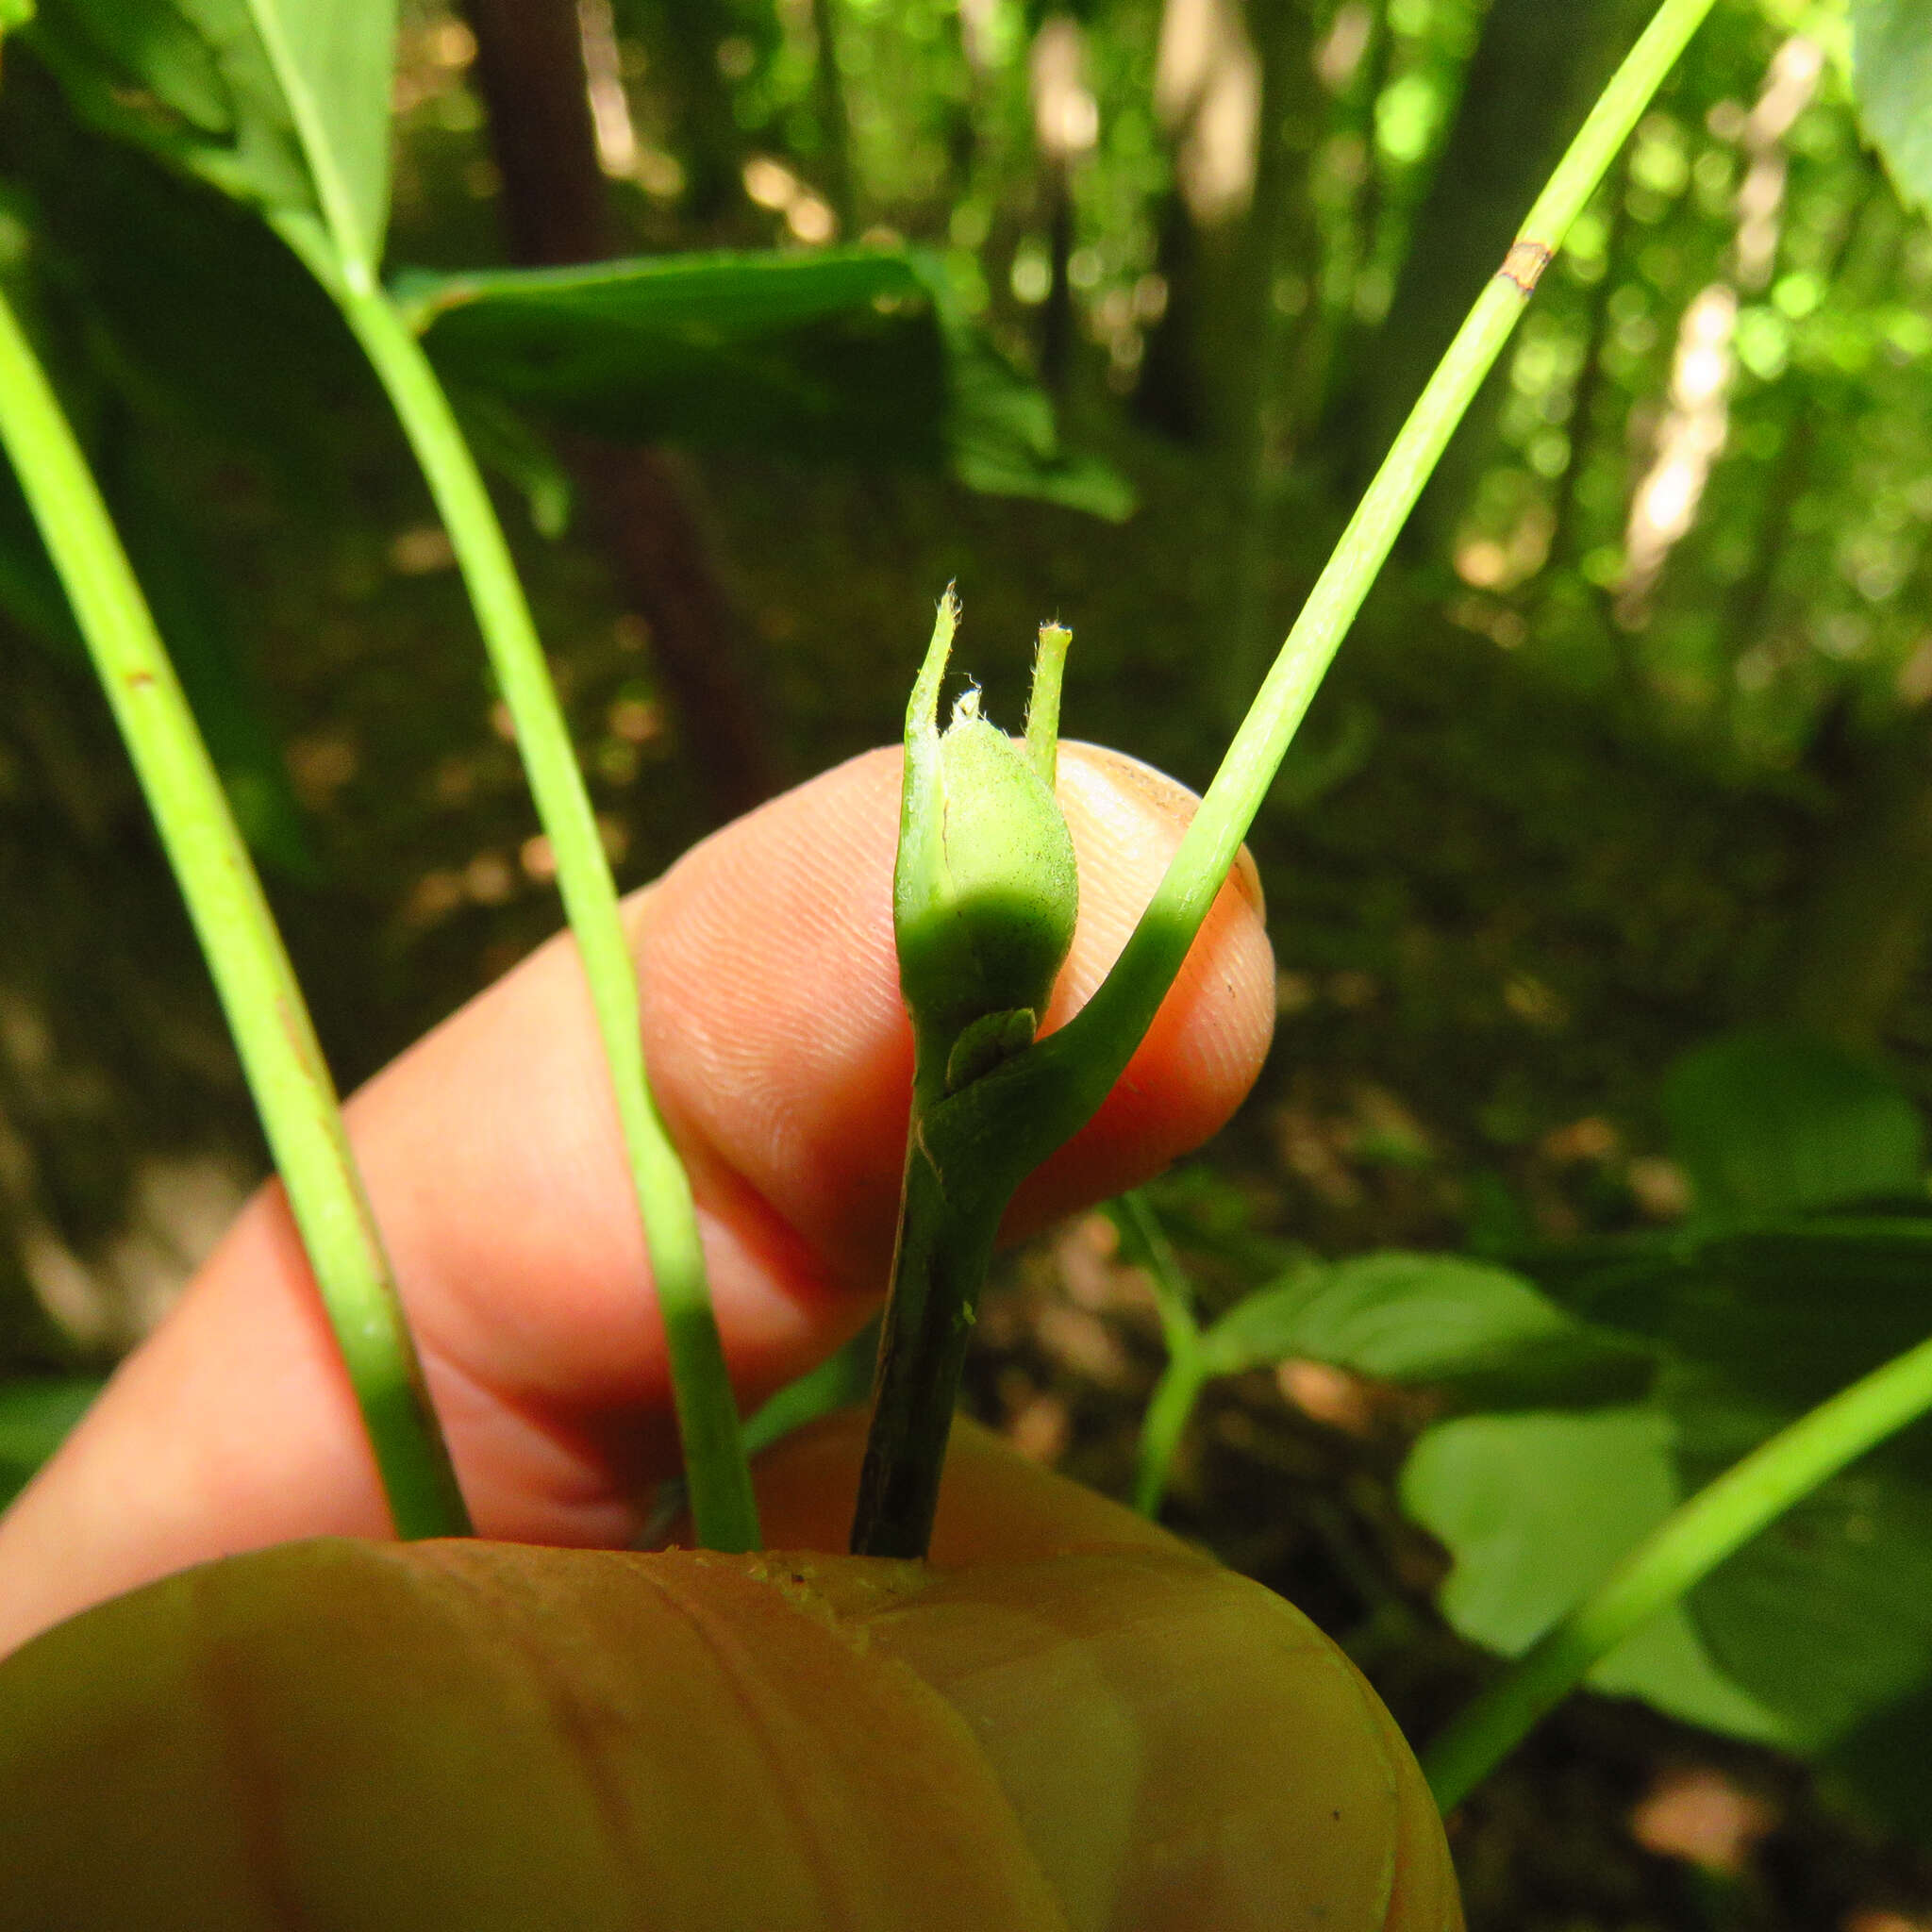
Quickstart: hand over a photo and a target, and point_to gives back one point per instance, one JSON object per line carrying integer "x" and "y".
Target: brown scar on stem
{"x": 139, "y": 680}
{"x": 1525, "y": 265}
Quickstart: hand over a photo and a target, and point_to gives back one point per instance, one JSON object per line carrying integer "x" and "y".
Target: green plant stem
{"x": 723, "y": 1508}
{"x": 945, "y": 1244}
{"x": 1680, "y": 1553}
{"x": 981, "y": 1141}
{"x": 1180, "y": 1387}
{"x": 256, "y": 985}
{"x": 1100, "y": 1039}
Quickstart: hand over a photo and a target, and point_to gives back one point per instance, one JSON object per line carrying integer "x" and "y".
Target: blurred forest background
{"x": 1632, "y": 744}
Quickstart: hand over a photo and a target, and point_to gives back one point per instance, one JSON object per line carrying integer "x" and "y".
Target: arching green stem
{"x": 280, "y": 1055}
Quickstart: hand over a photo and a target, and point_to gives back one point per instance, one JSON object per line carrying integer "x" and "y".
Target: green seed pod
{"x": 985, "y": 892}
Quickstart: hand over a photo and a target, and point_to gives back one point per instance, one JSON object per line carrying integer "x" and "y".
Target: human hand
{"x": 781, "y": 1056}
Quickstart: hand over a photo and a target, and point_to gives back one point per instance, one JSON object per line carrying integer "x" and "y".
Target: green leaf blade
{"x": 1892, "y": 74}
{"x": 282, "y": 103}
{"x": 842, "y": 355}
{"x": 335, "y": 61}
{"x": 1429, "y": 1319}
{"x": 1769, "y": 1123}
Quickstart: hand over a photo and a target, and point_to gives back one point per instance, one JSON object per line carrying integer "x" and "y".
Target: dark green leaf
{"x": 1791, "y": 1309}
{"x": 1892, "y": 74}
{"x": 187, "y": 80}
{"x": 1883, "y": 1768}
{"x": 848, "y": 354}
{"x": 1435, "y": 1319}
{"x": 280, "y": 103}
{"x": 1828, "y": 1613}
{"x": 35, "y": 1417}
{"x": 1769, "y": 1123}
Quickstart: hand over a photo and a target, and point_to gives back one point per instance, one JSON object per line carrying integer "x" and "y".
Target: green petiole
{"x": 279, "y": 1054}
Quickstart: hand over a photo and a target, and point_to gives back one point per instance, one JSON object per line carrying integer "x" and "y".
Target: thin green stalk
{"x": 722, "y": 1505}
{"x": 1161, "y": 1428}
{"x": 1180, "y": 1387}
{"x": 1096, "y": 1044}
{"x": 1680, "y": 1553}
{"x": 272, "y": 1033}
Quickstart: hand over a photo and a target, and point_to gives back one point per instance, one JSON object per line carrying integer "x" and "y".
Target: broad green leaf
{"x": 1811, "y": 1631}
{"x": 846, "y": 354}
{"x": 283, "y": 104}
{"x": 1883, "y": 1768}
{"x": 246, "y": 352}
{"x": 1429, "y": 1319}
{"x": 1536, "y": 1511}
{"x": 1828, "y": 1614}
{"x": 1769, "y": 1123}
{"x": 35, "y": 1417}
{"x": 1892, "y": 76}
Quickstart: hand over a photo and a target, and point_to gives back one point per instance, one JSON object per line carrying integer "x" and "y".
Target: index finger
{"x": 781, "y": 1056}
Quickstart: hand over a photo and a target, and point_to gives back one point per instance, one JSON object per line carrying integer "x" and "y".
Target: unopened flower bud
{"x": 985, "y": 892}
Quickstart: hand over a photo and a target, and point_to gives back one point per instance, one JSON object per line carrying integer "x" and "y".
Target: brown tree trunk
{"x": 1536, "y": 70}
{"x": 1860, "y": 935}
{"x": 530, "y": 66}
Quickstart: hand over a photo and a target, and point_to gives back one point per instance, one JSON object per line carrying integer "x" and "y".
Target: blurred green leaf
{"x": 1767, "y": 1123}
{"x": 1882, "y": 1769}
{"x": 336, "y": 62}
{"x": 1806, "y": 1636}
{"x": 1791, "y": 1309}
{"x": 283, "y": 104}
{"x": 35, "y": 1417}
{"x": 506, "y": 443}
{"x": 246, "y": 354}
{"x": 1435, "y": 1319}
{"x": 850, "y": 355}
{"x": 1537, "y": 1510}
{"x": 15, "y": 13}
{"x": 187, "y": 80}
{"x": 1892, "y": 74}
{"x": 1827, "y": 1616}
